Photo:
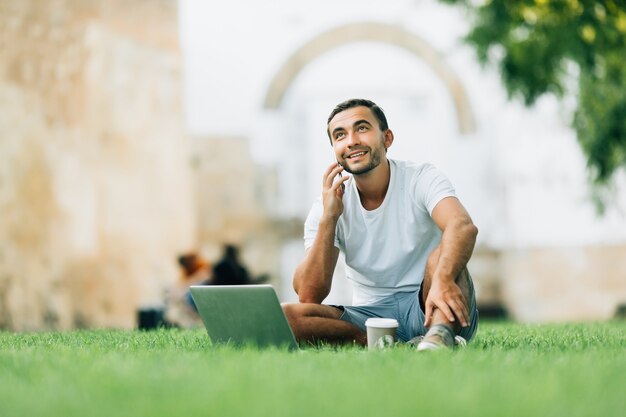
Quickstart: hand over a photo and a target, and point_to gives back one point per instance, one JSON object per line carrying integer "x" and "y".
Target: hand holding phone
{"x": 331, "y": 192}
{"x": 343, "y": 186}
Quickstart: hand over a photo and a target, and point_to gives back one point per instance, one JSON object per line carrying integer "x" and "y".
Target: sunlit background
{"x": 133, "y": 132}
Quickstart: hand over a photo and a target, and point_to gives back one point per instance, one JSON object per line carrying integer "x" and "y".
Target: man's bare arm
{"x": 313, "y": 278}
{"x": 456, "y": 247}
{"x": 458, "y": 238}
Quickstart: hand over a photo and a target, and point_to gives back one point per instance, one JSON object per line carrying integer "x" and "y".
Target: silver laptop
{"x": 243, "y": 315}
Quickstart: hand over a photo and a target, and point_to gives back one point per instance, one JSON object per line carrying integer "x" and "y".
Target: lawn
{"x": 508, "y": 370}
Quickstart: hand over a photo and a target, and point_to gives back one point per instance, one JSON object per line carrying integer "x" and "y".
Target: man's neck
{"x": 373, "y": 185}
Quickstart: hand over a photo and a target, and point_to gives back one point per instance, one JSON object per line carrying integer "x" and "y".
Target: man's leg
{"x": 440, "y": 323}
{"x": 317, "y": 322}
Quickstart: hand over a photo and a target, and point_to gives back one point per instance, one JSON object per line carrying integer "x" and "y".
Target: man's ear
{"x": 388, "y": 138}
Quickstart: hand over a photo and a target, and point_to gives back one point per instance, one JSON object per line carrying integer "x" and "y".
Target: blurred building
{"x": 135, "y": 130}
{"x": 95, "y": 184}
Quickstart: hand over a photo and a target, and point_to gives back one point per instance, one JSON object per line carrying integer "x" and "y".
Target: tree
{"x": 537, "y": 43}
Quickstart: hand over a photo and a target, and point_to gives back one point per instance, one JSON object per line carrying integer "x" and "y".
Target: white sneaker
{"x": 438, "y": 337}
{"x": 459, "y": 341}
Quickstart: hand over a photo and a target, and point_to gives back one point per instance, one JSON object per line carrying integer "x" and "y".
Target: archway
{"x": 377, "y": 32}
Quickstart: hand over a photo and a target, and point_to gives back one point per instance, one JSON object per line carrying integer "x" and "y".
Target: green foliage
{"x": 508, "y": 370}
{"x": 600, "y": 119}
{"x": 542, "y": 46}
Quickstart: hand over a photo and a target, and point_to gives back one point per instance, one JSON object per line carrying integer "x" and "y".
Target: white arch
{"x": 378, "y": 32}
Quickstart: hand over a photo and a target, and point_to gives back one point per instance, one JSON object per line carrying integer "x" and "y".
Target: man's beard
{"x": 375, "y": 157}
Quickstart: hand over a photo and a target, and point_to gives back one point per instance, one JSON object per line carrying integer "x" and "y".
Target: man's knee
{"x": 298, "y": 314}
{"x": 296, "y": 311}
{"x": 292, "y": 312}
{"x": 310, "y": 322}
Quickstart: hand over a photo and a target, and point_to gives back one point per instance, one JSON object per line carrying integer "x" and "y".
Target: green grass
{"x": 508, "y": 370}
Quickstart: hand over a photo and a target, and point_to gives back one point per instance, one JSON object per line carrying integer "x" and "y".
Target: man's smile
{"x": 356, "y": 154}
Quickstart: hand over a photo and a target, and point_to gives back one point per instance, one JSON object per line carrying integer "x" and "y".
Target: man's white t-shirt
{"x": 386, "y": 249}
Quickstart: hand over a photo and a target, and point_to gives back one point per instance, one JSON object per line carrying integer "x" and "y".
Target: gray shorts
{"x": 405, "y": 307}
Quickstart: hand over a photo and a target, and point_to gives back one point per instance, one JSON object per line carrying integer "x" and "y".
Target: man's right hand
{"x": 332, "y": 192}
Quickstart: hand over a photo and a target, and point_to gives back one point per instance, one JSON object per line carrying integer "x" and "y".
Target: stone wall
{"x": 564, "y": 284}
{"x": 95, "y": 188}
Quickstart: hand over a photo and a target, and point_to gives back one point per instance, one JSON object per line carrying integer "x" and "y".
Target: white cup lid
{"x": 378, "y": 322}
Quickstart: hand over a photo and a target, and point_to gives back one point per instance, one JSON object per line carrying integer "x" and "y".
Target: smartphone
{"x": 343, "y": 184}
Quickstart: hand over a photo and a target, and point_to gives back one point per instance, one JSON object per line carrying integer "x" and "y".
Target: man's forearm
{"x": 313, "y": 277}
{"x": 457, "y": 245}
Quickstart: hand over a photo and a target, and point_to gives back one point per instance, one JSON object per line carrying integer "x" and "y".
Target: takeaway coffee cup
{"x": 381, "y": 333}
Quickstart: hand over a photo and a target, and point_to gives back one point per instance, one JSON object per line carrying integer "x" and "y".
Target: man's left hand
{"x": 448, "y": 298}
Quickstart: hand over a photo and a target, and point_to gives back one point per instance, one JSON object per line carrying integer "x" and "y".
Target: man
{"x": 405, "y": 236}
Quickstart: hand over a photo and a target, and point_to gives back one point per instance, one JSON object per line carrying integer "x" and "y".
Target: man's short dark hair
{"x": 358, "y": 102}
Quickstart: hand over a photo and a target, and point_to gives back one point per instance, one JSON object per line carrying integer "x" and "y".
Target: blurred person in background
{"x": 180, "y": 308}
{"x": 230, "y": 271}
{"x": 194, "y": 269}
